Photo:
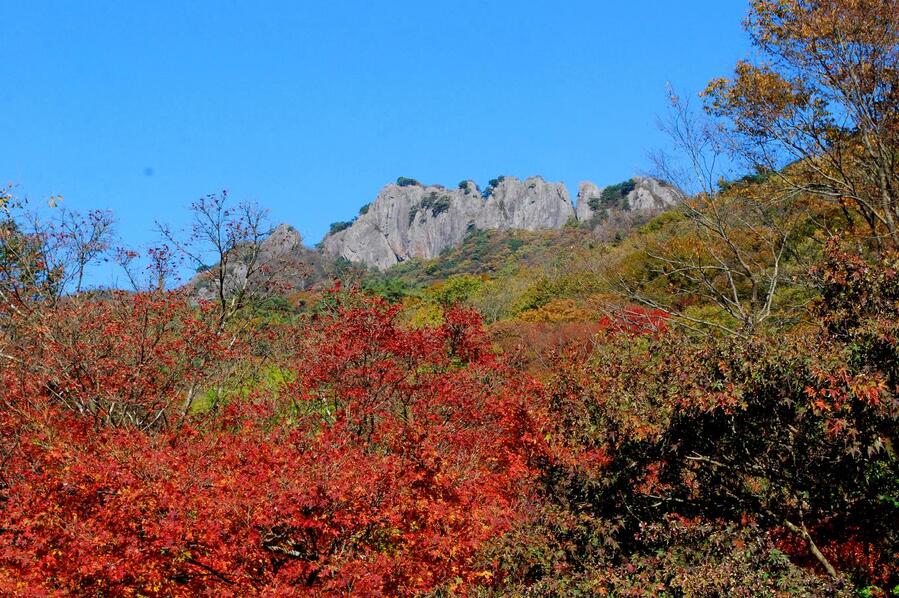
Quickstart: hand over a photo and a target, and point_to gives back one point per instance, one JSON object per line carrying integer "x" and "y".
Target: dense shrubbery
{"x": 647, "y": 462}
{"x": 358, "y": 447}
{"x": 382, "y": 465}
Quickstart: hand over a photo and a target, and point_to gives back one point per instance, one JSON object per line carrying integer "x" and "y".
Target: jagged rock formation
{"x": 587, "y": 192}
{"x": 636, "y": 194}
{"x": 531, "y": 204}
{"x": 653, "y": 194}
{"x": 409, "y": 220}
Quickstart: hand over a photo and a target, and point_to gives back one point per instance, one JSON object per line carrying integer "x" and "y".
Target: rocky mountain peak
{"x": 410, "y": 220}
{"x": 283, "y": 239}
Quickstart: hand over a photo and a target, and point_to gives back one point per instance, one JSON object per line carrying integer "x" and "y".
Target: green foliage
{"x": 336, "y": 227}
{"x": 456, "y": 289}
{"x": 407, "y": 182}
{"x": 342, "y": 266}
{"x": 509, "y": 266}
{"x": 612, "y": 199}
{"x": 544, "y": 289}
{"x": 272, "y": 307}
{"x": 613, "y": 196}
{"x": 662, "y": 221}
{"x": 514, "y": 244}
{"x": 390, "y": 288}
{"x": 761, "y": 175}
{"x": 364, "y": 209}
{"x": 436, "y": 202}
{"x": 493, "y": 184}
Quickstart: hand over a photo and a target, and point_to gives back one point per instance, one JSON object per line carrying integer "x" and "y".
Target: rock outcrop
{"x": 531, "y": 204}
{"x": 283, "y": 240}
{"x": 652, "y": 194}
{"x": 636, "y": 194}
{"x": 587, "y": 192}
{"x": 409, "y": 220}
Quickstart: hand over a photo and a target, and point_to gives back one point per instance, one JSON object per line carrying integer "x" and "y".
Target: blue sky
{"x": 310, "y": 107}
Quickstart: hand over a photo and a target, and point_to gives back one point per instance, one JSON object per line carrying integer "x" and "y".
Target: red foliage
{"x": 849, "y": 548}
{"x": 401, "y": 461}
{"x": 121, "y": 359}
{"x": 390, "y": 460}
{"x": 533, "y": 345}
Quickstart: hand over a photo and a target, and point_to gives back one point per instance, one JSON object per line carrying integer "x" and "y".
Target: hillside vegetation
{"x": 704, "y": 402}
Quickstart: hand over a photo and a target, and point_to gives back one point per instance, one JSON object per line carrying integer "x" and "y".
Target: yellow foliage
{"x": 421, "y": 314}
{"x": 557, "y": 310}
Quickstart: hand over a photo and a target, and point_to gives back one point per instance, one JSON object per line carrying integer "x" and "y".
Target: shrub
{"x": 392, "y": 289}
{"x": 456, "y": 289}
{"x": 756, "y": 178}
{"x": 791, "y": 434}
{"x": 383, "y": 463}
{"x": 435, "y": 202}
{"x": 441, "y": 205}
{"x": 613, "y": 196}
{"x": 336, "y": 227}
{"x": 493, "y": 184}
{"x": 407, "y": 182}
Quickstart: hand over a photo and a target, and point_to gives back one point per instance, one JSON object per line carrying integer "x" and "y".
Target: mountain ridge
{"x": 409, "y": 220}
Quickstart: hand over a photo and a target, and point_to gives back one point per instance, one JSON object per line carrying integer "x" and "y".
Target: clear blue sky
{"x": 310, "y": 107}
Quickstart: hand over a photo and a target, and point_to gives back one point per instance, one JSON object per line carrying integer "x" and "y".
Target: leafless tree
{"x": 226, "y": 246}
{"x": 43, "y": 257}
{"x": 731, "y": 249}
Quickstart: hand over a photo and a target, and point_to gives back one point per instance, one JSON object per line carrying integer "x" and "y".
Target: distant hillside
{"x": 420, "y": 234}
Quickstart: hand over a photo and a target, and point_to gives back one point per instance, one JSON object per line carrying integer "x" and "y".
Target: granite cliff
{"x": 410, "y": 220}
